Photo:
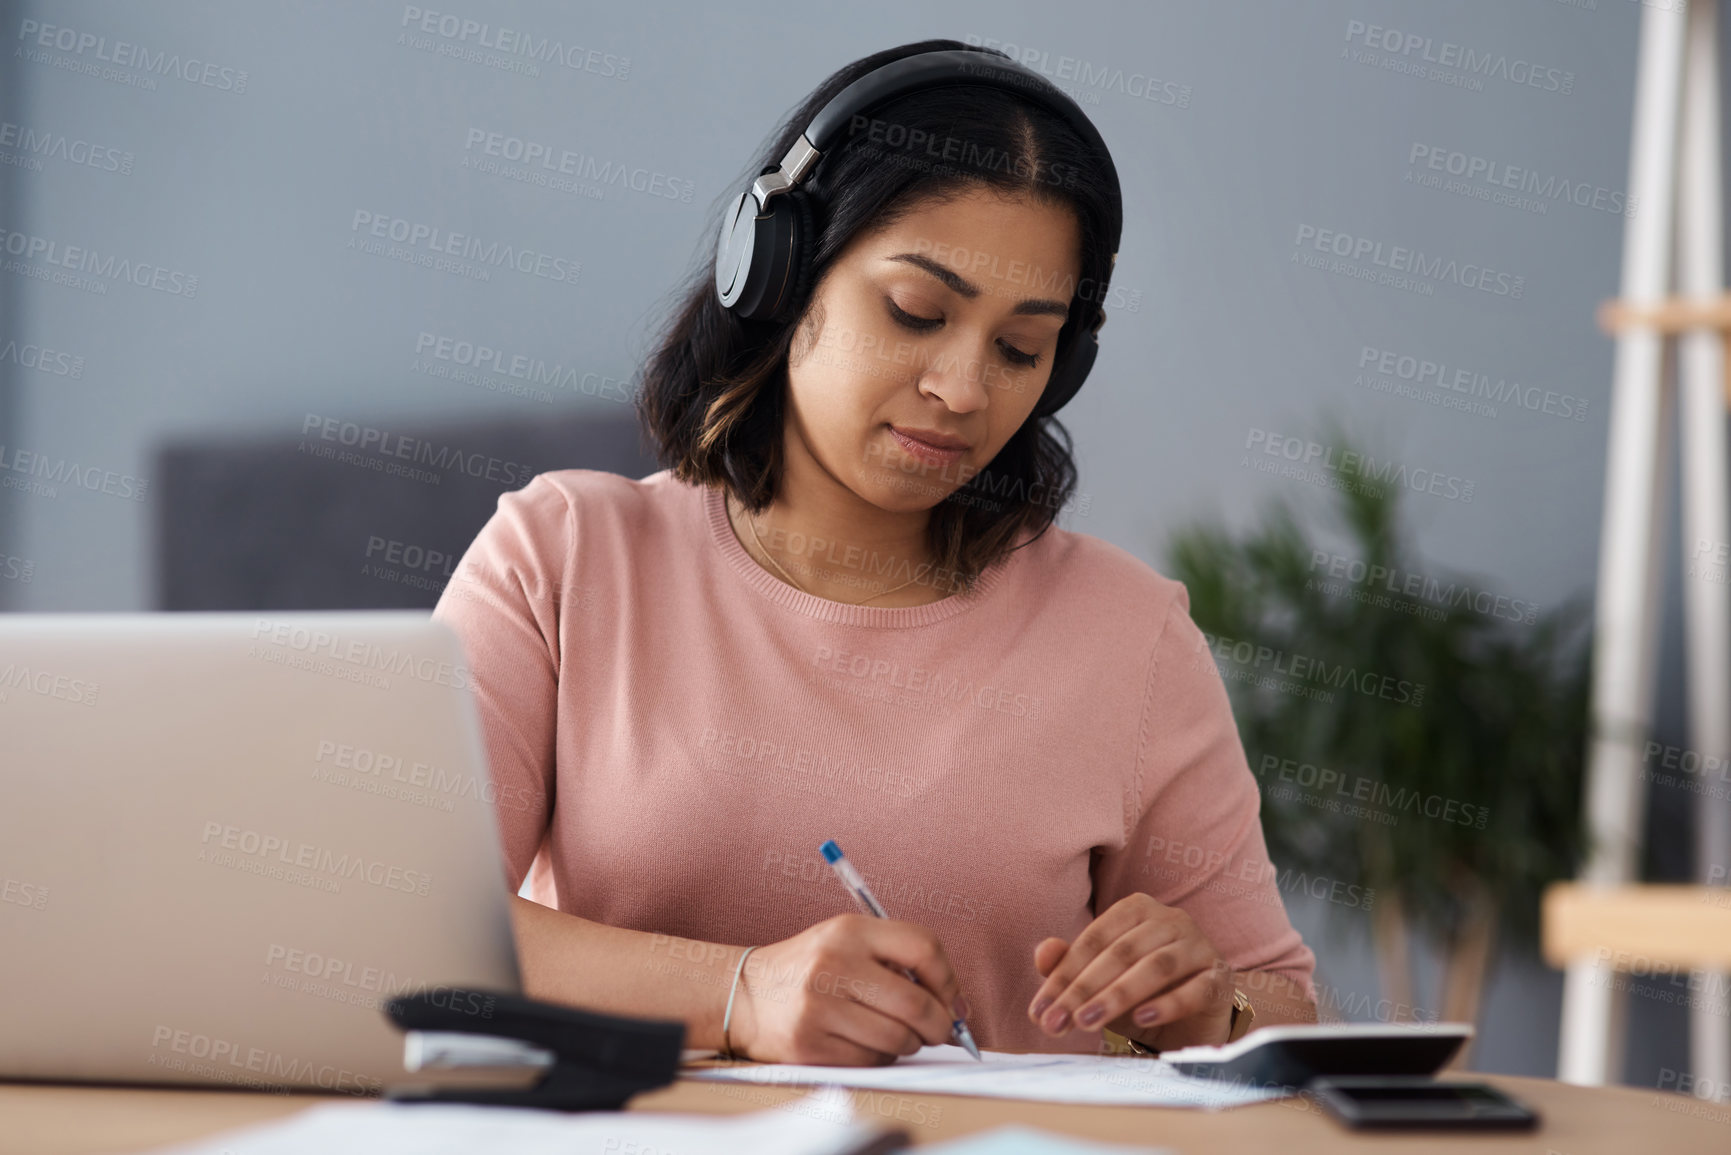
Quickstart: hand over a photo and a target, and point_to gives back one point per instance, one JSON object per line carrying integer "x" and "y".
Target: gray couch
{"x": 287, "y": 523}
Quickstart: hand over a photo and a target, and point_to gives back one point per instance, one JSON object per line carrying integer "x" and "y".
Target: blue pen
{"x": 862, "y": 894}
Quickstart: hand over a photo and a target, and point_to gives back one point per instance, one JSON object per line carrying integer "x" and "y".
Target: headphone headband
{"x": 758, "y": 260}
{"x": 950, "y": 67}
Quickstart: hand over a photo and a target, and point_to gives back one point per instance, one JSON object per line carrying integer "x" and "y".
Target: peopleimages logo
{"x": 41, "y": 359}
{"x": 1090, "y": 78}
{"x": 23, "y": 894}
{"x": 277, "y": 850}
{"x": 433, "y": 241}
{"x": 88, "y": 261}
{"x": 927, "y": 681}
{"x": 42, "y": 475}
{"x": 360, "y": 764}
{"x": 47, "y": 683}
{"x": 512, "y": 42}
{"x": 1356, "y": 787}
{"x": 1422, "y": 375}
{"x": 455, "y": 355}
{"x": 1213, "y": 870}
{"x": 1484, "y": 178}
{"x": 286, "y": 636}
{"x": 35, "y": 35}
{"x": 1337, "y": 574}
{"x": 959, "y": 151}
{"x": 1329, "y": 461}
{"x": 1254, "y": 658}
{"x": 58, "y": 146}
{"x": 249, "y": 1066}
{"x": 367, "y": 438}
{"x": 542, "y": 162}
{"x": 900, "y": 894}
{"x": 325, "y": 975}
{"x": 1414, "y": 50}
{"x": 1400, "y": 264}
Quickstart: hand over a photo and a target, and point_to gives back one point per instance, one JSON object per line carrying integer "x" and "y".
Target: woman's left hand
{"x": 1140, "y": 969}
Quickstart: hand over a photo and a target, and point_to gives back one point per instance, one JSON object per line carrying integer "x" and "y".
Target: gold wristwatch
{"x": 1243, "y": 1014}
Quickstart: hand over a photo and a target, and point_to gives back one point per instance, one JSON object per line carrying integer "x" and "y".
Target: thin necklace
{"x": 753, "y": 527}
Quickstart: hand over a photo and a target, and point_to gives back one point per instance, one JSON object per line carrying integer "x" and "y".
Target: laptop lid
{"x": 227, "y": 838}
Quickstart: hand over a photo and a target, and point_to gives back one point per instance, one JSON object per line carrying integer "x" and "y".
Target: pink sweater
{"x": 673, "y": 731}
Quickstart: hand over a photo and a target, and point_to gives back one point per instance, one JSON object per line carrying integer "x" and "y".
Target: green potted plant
{"x": 1413, "y": 730}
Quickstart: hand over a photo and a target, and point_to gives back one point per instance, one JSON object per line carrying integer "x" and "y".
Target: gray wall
{"x": 1267, "y": 120}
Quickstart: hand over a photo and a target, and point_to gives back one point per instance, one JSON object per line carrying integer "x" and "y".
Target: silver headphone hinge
{"x": 794, "y": 166}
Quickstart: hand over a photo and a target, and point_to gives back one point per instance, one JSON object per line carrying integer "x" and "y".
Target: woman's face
{"x": 928, "y": 343}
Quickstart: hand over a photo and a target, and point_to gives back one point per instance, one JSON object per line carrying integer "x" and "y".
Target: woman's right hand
{"x": 833, "y": 994}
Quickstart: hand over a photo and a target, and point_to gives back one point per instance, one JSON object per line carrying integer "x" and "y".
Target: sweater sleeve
{"x": 504, "y": 602}
{"x": 1194, "y": 837}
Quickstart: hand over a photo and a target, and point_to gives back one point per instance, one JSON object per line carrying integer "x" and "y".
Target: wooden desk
{"x": 72, "y": 1120}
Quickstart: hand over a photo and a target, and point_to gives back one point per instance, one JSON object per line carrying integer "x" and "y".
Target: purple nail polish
{"x": 1040, "y": 1006}
{"x": 959, "y": 1008}
{"x": 1058, "y": 1021}
{"x": 1089, "y": 1016}
{"x": 1146, "y": 1016}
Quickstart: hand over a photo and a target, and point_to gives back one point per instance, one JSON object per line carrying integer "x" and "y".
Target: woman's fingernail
{"x": 1040, "y": 1006}
{"x": 1146, "y": 1016}
{"x": 1058, "y": 1021}
{"x": 1088, "y": 1016}
{"x": 960, "y": 1007}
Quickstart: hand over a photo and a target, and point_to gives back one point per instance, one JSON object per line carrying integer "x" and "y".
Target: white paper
{"x": 820, "y": 1124}
{"x": 1134, "y": 1081}
{"x": 1016, "y": 1139}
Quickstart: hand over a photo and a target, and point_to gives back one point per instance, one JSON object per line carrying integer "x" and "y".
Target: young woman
{"x": 844, "y": 611}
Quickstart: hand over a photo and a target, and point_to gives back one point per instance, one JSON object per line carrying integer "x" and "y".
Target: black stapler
{"x": 593, "y": 1061}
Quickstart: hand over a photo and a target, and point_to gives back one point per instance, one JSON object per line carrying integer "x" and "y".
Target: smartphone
{"x": 1410, "y": 1102}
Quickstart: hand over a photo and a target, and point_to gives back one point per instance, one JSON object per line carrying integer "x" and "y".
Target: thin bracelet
{"x": 727, "y": 1018}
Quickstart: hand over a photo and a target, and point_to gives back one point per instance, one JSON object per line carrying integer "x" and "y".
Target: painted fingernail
{"x": 960, "y": 1007}
{"x": 1146, "y": 1016}
{"x": 1088, "y": 1016}
{"x": 1040, "y": 1006}
{"x": 1058, "y": 1021}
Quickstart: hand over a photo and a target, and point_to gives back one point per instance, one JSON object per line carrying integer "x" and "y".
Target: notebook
{"x": 946, "y": 1069}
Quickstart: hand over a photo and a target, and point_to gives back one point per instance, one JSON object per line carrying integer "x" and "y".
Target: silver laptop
{"x": 226, "y": 839}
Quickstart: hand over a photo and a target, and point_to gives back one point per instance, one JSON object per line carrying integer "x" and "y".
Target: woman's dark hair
{"x": 713, "y": 393}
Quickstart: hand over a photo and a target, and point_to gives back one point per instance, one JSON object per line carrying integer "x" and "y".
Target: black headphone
{"x": 761, "y": 254}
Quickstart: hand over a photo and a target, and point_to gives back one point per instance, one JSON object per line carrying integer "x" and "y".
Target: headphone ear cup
{"x": 733, "y": 251}
{"x": 752, "y": 258}
{"x": 1068, "y": 373}
{"x": 804, "y": 237}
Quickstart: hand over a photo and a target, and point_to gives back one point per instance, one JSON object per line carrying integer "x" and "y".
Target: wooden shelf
{"x": 1678, "y": 926}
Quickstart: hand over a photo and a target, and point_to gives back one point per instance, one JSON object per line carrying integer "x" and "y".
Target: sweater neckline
{"x": 841, "y": 613}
